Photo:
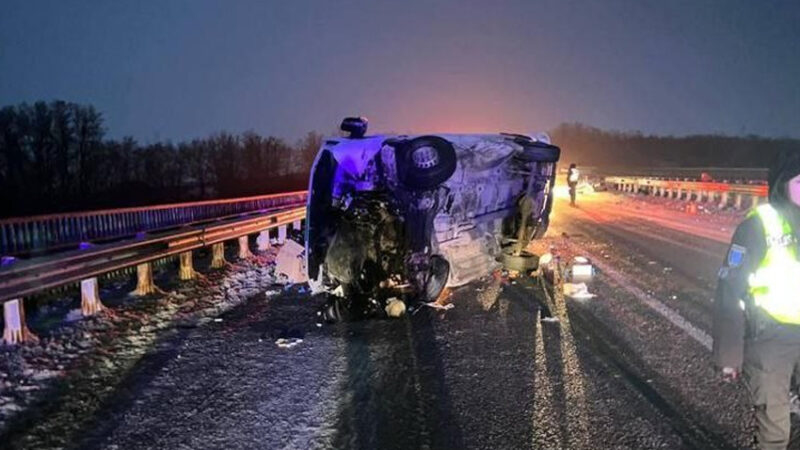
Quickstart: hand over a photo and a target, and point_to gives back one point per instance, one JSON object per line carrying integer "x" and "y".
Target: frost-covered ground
{"x": 76, "y": 350}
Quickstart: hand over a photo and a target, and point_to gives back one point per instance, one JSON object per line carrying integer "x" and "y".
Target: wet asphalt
{"x": 489, "y": 373}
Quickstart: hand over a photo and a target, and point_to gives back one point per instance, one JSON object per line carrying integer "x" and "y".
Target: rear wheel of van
{"x": 425, "y": 162}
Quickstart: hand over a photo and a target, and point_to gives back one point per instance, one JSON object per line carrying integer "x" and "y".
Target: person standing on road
{"x": 757, "y": 303}
{"x": 572, "y": 181}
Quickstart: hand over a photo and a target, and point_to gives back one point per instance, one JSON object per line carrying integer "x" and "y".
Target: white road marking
{"x": 668, "y": 313}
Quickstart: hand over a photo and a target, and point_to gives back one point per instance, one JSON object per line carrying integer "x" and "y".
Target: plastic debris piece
{"x": 290, "y": 262}
{"x": 551, "y": 319}
{"x": 288, "y": 342}
{"x": 545, "y": 259}
{"x": 395, "y": 307}
{"x": 218, "y": 320}
{"x": 577, "y": 291}
{"x": 435, "y": 305}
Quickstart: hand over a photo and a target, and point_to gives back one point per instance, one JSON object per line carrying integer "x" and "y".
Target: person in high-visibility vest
{"x": 572, "y": 181}
{"x": 756, "y": 310}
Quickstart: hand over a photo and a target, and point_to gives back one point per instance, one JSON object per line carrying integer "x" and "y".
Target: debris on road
{"x": 290, "y": 262}
{"x": 288, "y": 342}
{"x": 395, "y": 307}
{"x": 440, "y": 306}
{"x": 577, "y": 291}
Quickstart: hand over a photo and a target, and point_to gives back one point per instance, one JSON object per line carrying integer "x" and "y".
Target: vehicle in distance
{"x": 403, "y": 216}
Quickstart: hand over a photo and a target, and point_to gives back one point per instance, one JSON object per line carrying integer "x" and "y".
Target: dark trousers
{"x": 572, "y": 193}
{"x": 770, "y": 360}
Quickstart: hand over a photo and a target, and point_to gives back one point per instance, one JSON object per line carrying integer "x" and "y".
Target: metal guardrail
{"x": 753, "y": 189}
{"x": 30, "y": 276}
{"x": 742, "y": 174}
{"x": 723, "y": 194}
{"x": 25, "y": 235}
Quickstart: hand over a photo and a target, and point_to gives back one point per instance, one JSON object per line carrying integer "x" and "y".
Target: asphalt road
{"x": 615, "y": 371}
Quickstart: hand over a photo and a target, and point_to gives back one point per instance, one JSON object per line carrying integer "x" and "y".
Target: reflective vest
{"x": 775, "y": 285}
{"x": 573, "y": 176}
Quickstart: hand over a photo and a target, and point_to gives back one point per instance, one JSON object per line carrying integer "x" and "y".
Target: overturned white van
{"x": 396, "y": 216}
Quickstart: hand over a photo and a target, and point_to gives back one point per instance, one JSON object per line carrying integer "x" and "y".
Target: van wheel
{"x": 438, "y": 273}
{"x": 425, "y": 162}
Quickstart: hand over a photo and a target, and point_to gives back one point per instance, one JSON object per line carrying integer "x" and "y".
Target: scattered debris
{"x": 288, "y": 342}
{"x": 577, "y": 291}
{"x": 395, "y": 307}
{"x": 550, "y": 319}
{"x": 290, "y": 262}
{"x": 545, "y": 259}
{"x": 435, "y": 305}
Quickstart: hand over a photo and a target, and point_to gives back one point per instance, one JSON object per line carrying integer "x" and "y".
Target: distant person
{"x": 757, "y": 306}
{"x": 572, "y": 181}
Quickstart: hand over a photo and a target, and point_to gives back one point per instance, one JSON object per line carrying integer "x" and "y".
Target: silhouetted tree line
{"x": 595, "y": 147}
{"x": 55, "y": 157}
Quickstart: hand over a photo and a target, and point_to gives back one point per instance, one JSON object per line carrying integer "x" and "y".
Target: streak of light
{"x": 577, "y": 410}
{"x": 544, "y": 436}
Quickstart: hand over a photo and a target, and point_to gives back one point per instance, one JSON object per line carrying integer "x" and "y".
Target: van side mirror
{"x": 356, "y": 126}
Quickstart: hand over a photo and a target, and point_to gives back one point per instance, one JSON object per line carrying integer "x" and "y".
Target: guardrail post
{"x": 282, "y": 234}
{"x": 218, "y": 255}
{"x": 263, "y": 241}
{"x": 15, "y": 330}
{"x": 144, "y": 280}
{"x": 297, "y": 225}
{"x": 738, "y": 201}
{"x": 724, "y": 199}
{"x": 90, "y": 297}
{"x": 244, "y": 247}
{"x": 756, "y": 201}
{"x": 186, "y": 270}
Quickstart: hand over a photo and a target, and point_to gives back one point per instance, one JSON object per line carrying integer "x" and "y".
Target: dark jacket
{"x": 732, "y": 287}
{"x": 732, "y": 326}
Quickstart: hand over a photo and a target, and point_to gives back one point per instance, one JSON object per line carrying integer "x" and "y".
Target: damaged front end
{"x": 399, "y": 218}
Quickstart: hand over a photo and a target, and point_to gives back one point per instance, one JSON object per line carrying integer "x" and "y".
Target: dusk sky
{"x": 181, "y": 69}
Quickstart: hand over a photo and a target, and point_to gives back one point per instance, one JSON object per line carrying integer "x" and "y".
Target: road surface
{"x": 629, "y": 368}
